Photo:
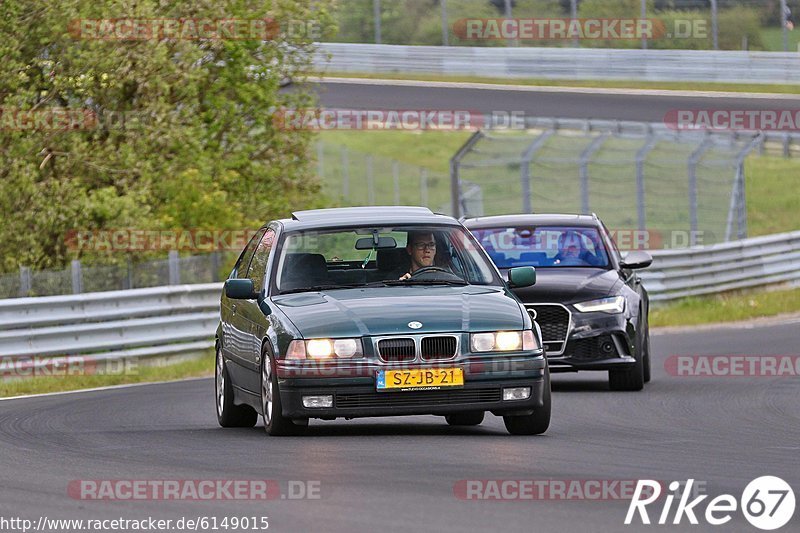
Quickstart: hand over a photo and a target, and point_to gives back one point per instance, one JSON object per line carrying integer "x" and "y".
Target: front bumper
{"x": 355, "y": 395}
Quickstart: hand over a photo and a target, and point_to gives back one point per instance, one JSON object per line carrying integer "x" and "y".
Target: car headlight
{"x": 325, "y": 349}
{"x": 503, "y": 341}
{"x": 614, "y": 304}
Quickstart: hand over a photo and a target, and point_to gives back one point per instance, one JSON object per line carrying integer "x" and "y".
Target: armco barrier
{"x": 180, "y": 321}
{"x": 561, "y": 63}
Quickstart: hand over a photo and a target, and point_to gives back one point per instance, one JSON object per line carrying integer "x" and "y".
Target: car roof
{"x": 550, "y": 219}
{"x": 368, "y": 216}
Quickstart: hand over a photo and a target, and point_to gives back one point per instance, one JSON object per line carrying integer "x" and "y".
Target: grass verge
{"x": 726, "y": 308}
{"x": 200, "y": 367}
{"x": 591, "y": 84}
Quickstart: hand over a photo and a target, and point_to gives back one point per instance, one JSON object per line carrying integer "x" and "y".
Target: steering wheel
{"x": 423, "y": 270}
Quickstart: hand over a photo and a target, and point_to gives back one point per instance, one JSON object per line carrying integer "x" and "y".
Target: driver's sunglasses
{"x": 424, "y": 245}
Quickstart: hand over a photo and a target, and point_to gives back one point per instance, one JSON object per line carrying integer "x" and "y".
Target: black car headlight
{"x": 611, "y": 305}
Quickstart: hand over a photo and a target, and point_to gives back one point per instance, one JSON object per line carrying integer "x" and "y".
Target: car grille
{"x": 554, "y": 323}
{"x": 416, "y": 399}
{"x": 393, "y": 350}
{"x": 438, "y": 347}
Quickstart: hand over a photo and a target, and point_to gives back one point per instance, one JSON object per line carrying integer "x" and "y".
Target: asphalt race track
{"x": 399, "y": 474}
{"x": 564, "y": 103}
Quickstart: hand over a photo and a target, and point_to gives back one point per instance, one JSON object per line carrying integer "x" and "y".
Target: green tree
{"x": 179, "y": 131}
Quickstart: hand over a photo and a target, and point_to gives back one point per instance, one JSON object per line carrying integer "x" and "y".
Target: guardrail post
{"x": 24, "y": 281}
{"x": 174, "y": 268}
{"x": 787, "y": 145}
{"x": 77, "y": 277}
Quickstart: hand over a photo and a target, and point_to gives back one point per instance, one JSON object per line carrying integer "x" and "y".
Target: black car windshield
{"x": 380, "y": 257}
{"x": 544, "y": 246}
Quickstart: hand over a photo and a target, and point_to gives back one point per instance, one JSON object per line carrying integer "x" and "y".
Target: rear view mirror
{"x": 240, "y": 289}
{"x": 521, "y": 277}
{"x": 368, "y": 243}
{"x": 637, "y": 259}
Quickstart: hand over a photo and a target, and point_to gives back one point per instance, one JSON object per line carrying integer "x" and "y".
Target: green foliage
{"x": 180, "y": 131}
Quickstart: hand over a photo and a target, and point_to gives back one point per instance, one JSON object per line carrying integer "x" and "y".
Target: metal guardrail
{"x": 562, "y": 63}
{"x": 180, "y": 321}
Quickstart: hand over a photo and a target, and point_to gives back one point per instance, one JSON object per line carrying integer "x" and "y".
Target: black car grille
{"x": 416, "y": 399}
{"x": 438, "y": 348}
{"x": 396, "y": 349}
{"x": 554, "y": 323}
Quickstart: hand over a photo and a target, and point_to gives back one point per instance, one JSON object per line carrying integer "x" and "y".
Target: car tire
{"x": 229, "y": 415}
{"x": 275, "y": 423}
{"x": 537, "y": 422}
{"x": 472, "y": 418}
{"x": 632, "y": 378}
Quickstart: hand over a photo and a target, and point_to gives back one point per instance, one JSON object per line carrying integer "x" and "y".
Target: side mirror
{"x": 637, "y": 259}
{"x": 521, "y": 277}
{"x": 240, "y": 289}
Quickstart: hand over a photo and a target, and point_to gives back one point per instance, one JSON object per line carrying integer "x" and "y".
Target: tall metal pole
{"x": 445, "y": 29}
{"x": 714, "y": 24}
{"x": 509, "y": 15}
{"x": 573, "y": 13}
{"x": 376, "y": 7}
{"x": 644, "y": 16}
{"x": 784, "y": 20}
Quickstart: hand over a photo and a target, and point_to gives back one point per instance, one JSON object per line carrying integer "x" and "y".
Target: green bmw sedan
{"x": 375, "y": 311}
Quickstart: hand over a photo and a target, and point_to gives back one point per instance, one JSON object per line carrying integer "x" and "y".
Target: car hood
{"x": 569, "y": 285}
{"x": 388, "y": 310}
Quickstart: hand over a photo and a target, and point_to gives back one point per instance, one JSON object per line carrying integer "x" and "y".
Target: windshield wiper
{"x": 315, "y": 288}
{"x": 426, "y": 282}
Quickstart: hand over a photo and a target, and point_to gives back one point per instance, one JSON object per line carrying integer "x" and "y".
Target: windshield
{"x": 381, "y": 256}
{"x": 544, "y": 246}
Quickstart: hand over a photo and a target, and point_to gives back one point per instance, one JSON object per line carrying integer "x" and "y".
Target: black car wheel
{"x": 230, "y": 415}
{"x": 537, "y": 422}
{"x": 274, "y": 422}
{"x": 473, "y": 418}
{"x": 631, "y": 378}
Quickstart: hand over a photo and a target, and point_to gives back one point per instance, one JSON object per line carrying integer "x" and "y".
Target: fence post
{"x": 216, "y": 265}
{"x": 714, "y": 24}
{"x": 396, "y": 176}
{"x": 584, "y": 169}
{"x": 455, "y": 164}
{"x": 174, "y": 268}
{"x": 24, "y": 281}
{"x": 423, "y": 186}
{"x": 370, "y": 182}
{"x": 345, "y": 174}
{"x": 376, "y": 9}
{"x": 129, "y": 273}
{"x": 693, "y": 160}
{"x": 640, "y": 198}
{"x": 321, "y": 160}
{"x": 525, "y": 169}
{"x": 77, "y": 277}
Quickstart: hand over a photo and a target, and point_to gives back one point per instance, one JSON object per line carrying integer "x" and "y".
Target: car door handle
{"x": 233, "y": 309}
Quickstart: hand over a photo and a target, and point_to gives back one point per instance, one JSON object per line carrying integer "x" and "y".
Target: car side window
{"x": 258, "y": 265}
{"x": 243, "y": 264}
